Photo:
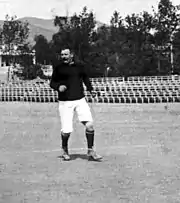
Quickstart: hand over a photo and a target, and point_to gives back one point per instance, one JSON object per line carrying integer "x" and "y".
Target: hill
{"x": 41, "y": 26}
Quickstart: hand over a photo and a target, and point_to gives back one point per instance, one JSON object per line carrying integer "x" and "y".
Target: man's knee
{"x": 65, "y": 133}
{"x": 89, "y": 126}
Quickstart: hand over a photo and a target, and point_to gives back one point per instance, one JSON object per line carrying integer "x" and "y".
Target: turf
{"x": 139, "y": 143}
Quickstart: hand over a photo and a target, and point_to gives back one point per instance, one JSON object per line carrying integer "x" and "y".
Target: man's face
{"x": 66, "y": 55}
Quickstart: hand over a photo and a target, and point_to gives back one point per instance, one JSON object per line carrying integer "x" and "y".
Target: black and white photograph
{"x": 89, "y": 101}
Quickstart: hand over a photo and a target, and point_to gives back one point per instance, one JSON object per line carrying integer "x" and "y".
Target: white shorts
{"x": 66, "y": 112}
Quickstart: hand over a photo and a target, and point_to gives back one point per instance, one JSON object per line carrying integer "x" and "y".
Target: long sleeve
{"x": 56, "y": 80}
{"x": 86, "y": 80}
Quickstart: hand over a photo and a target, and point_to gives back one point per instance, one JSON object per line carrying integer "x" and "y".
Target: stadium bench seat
{"x": 109, "y": 90}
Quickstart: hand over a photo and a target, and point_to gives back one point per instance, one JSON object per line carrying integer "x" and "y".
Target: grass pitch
{"x": 139, "y": 143}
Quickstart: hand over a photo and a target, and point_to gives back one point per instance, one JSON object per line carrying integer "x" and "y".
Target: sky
{"x": 103, "y": 9}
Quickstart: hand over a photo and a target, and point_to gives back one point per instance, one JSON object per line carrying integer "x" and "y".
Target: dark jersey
{"x": 72, "y": 76}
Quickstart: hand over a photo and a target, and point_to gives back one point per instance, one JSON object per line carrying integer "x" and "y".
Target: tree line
{"x": 136, "y": 45}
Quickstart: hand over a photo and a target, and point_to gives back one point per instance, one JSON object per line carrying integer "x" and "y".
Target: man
{"x": 67, "y": 79}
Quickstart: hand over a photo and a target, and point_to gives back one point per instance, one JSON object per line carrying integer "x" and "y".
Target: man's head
{"x": 67, "y": 55}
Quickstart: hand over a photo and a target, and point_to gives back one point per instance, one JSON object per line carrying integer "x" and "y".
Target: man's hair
{"x": 71, "y": 51}
{"x": 65, "y": 49}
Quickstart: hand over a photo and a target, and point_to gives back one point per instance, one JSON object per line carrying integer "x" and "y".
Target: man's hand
{"x": 62, "y": 88}
{"x": 93, "y": 94}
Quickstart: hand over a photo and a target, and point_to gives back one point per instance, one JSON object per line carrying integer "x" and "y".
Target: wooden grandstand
{"x": 157, "y": 89}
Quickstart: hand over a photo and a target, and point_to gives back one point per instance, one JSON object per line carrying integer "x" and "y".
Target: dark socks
{"x": 90, "y": 139}
{"x": 65, "y": 138}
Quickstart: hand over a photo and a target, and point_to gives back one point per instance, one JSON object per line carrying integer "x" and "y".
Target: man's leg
{"x": 65, "y": 138}
{"x": 66, "y": 110}
{"x": 89, "y": 131}
{"x": 85, "y": 117}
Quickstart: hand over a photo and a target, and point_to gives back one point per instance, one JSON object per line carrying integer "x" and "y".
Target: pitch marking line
{"x": 108, "y": 149}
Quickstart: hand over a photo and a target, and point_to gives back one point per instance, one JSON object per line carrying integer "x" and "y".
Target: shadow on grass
{"x": 76, "y": 156}
{"x": 79, "y": 156}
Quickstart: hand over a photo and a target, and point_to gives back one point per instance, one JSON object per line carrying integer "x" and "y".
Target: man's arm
{"x": 86, "y": 80}
{"x": 56, "y": 80}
